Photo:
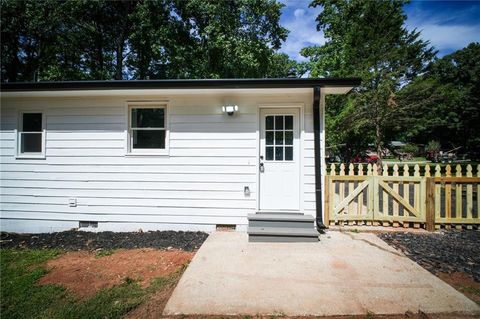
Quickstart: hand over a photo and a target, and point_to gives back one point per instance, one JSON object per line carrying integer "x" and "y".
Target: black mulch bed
{"x": 80, "y": 240}
{"x": 446, "y": 251}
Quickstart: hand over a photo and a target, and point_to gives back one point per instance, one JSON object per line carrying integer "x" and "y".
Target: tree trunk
{"x": 378, "y": 146}
{"x": 99, "y": 53}
{"x": 119, "y": 60}
{"x": 12, "y": 68}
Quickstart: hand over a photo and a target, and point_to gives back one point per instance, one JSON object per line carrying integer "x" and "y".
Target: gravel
{"x": 445, "y": 251}
{"x": 80, "y": 240}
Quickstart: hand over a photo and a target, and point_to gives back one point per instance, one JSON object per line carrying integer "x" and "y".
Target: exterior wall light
{"x": 229, "y": 109}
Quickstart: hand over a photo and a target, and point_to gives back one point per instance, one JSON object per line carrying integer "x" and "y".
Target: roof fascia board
{"x": 151, "y": 93}
{"x": 180, "y": 84}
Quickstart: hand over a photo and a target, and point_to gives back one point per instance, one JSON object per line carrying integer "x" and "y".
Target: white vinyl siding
{"x": 198, "y": 184}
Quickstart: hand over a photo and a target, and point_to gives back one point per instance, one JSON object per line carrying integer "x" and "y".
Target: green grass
{"x": 22, "y": 297}
{"x": 104, "y": 252}
{"x": 19, "y": 296}
{"x": 396, "y": 160}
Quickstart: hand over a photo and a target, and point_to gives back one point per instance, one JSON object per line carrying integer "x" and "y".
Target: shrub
{"x": 433, "y": 146}
{"x": 410, "y": 148}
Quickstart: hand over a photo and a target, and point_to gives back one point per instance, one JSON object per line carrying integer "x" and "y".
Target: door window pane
{"x": 289, "y": 122}
{"x": 279, "y": 138}
{"x": 269, "y": 138}
{"x": 148, "y": 139}
{"x": 279, "y": 153}
{"x": 148, "y": 118}
{"x": 289, "y": 153}
{"x": 31, "y": 143}
{"x": 269, "y": 153}
{"x": 279, "y": 133}
{"x": 279, "y": 122}
{"x": 32, "y": 122}
{"x": 269, "y": 123}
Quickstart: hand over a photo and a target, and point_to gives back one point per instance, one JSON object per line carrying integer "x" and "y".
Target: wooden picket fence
{"x": 365, "y": 195}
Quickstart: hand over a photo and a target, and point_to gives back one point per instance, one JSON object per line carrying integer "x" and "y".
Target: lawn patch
{"x": 83, "y": 273}
{"x": 22, "y": 295}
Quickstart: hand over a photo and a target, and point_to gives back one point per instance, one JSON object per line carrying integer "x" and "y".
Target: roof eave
{"x": 180, "y": 84}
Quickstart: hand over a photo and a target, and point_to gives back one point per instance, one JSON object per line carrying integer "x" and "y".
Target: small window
{"x": 31, "y": 134}
{"x": 147, "y": 129}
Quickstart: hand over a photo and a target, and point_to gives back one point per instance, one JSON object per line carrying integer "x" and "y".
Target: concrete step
{"x": 281, "y": 220}
{"x": 282, "y": 234}
{"x": 281, "y": 216}
{"x": 277, "y": 212}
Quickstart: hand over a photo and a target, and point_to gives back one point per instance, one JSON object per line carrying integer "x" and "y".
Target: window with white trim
{"x": 147, "y": 129}
{"x": 31, "y": 134}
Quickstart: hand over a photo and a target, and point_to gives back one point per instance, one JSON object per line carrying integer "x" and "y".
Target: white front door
{"x": 279, "y": 159}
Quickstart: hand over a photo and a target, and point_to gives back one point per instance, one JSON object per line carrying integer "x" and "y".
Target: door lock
{"x": 261, "y": 167}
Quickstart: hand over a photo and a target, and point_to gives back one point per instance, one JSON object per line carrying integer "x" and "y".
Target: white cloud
{"x": 298, "y": 13}
{"x": 437, "y": 27}
{"x": 299, "y": 19}
{"x": 447, "y": 38}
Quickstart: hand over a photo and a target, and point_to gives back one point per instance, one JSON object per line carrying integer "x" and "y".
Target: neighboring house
{"x": 168, "y": 154}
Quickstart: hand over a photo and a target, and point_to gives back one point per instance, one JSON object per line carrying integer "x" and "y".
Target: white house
{"x": 168, "y": 154}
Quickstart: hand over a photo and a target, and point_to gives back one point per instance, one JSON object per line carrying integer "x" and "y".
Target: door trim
{"x": 301, "y": 107}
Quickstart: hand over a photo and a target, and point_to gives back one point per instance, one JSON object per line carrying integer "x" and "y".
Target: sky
{"x": 448, "y": 25}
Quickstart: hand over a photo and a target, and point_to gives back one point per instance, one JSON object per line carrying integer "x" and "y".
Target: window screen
{"x": 279, "y": 138}
{"x": 147, "y": 128}
{"x": 31, "y": 134}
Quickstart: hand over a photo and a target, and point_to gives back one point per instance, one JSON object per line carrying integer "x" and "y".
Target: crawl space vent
{"x": 88, "y": 224}
{"x": 225, "y": 227}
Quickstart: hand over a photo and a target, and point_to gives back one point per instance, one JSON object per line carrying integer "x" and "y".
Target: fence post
{"x": 430, "y": 204}
{"x": 326, "y": 221}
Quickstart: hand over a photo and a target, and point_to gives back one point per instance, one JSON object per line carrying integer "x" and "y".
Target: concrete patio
{"x": 343, "y": 274}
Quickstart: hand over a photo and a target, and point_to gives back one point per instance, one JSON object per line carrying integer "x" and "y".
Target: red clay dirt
{"x": 84, "y": 273}
{"x": 463, "y": 283}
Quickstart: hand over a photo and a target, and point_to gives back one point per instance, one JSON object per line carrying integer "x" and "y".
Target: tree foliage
{"x": 368, "y": 39}
{"x": 405, "y": 94}
{"x": 142, "y": 39}
{"x": 444, "y": 103}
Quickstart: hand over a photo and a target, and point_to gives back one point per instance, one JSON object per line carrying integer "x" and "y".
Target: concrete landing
{"x": 343, "y": 274}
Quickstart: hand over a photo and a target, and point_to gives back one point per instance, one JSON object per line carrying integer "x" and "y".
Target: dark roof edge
{"x": 180, "y": 84}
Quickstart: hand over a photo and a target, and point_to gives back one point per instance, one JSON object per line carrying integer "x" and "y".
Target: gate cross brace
{"x": 398, "y": 198}
{"x": 350, "y": 197}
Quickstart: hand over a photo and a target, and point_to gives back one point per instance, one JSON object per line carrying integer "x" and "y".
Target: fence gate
{"x": 403, "y": 198}
{"x": 351, "y": 197}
